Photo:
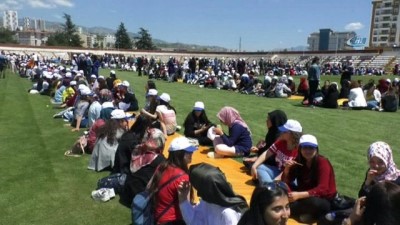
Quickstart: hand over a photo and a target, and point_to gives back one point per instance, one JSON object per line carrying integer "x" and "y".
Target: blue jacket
{"x": 239, "y": 136}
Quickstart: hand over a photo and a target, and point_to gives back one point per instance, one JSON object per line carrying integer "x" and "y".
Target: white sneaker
{"x": 103, "y": 194}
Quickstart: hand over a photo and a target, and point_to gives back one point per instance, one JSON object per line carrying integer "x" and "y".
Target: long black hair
{"x": 191, "y": 117}
{"x": 382, "y": 205}
{"x": 140, "y": 126}
{"x": 175, "y": 159}
{"x": 314, "y": 166}
{"x": 109, "y": 130}
{"x": 261, "y": 198}
{"x": 169, "y": 106}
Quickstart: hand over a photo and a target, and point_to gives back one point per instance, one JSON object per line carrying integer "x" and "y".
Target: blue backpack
{"x": 142, "y": 206}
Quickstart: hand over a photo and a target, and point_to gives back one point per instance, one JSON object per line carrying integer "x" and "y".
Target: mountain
{"x": 158, "y": 42}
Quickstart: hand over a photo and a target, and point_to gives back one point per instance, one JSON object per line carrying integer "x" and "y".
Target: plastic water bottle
{"x": 332, "y": 216}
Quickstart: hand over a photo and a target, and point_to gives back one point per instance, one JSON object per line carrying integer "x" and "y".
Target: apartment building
{"x": 10, "y": 20}
{"x": 328, "y": 40}
{"x": 385, "y": 23}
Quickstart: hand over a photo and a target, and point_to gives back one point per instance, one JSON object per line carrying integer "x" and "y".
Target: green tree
{"x": 144, "y": 41}
{"x": 122, "y": 39}
{"x": 68, "y": 36}
{"x": 7, "y": 36}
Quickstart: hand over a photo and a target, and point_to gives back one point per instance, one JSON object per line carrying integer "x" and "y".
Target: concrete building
{"x": 26, "y": 23}
{"x": 10, "y": 20}
{"x": 40, "y": 25}
{"x": 328, "y": 40}
{"x": 385, "y": 23}
{"x": 109, "y": 41}
{"x": 32, "y": 37}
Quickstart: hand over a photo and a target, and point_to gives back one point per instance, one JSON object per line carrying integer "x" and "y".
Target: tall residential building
{"x": 10, "y": 20}
{"x": 27, "y": 23}
{"x": 385, "y": 23}
{"x": 328, "y": 40}
{"x": 40, "y": 25}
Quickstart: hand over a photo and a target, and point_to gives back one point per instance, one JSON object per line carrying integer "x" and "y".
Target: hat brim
{"x": 308, "y": 144}
{"x": 189, "y": 149}
{"x": 283, "y": 129}
{"x": 198, "y": 109}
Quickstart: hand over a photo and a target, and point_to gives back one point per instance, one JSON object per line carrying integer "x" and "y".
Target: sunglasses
{"x": 273, "y": 186}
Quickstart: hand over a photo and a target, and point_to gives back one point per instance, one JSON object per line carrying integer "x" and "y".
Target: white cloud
{"x": 66, "y": 3}
{"x": 40, "y": 4}
{"x": 10, "y": 5}
{"x": 49, "y": 4}
{"x": 354, "y": 26}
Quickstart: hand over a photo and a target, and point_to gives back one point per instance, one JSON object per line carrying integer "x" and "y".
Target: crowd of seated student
{"x": 137, "y": 153}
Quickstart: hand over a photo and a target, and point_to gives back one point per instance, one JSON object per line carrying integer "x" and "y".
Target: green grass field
{"x": 40, "y": 185}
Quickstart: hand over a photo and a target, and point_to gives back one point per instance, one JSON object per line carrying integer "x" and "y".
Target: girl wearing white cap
{"x": 310, "y": 199}
{"x": 169, "y": 175}
{"x": 284, "y": 150}
{"x": 107, "y": 141}
{"x": 197, "y": 124}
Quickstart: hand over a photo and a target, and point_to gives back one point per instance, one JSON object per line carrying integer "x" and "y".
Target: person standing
{"x": 314, "y": 75}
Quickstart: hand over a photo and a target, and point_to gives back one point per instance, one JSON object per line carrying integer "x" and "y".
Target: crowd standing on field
{"x": 292, "y": 179}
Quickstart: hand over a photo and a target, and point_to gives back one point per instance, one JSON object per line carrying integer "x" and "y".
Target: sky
{"x": 261, "y": 25}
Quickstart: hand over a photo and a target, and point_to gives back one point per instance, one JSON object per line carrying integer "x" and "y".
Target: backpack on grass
{"x": 142, "y": 205}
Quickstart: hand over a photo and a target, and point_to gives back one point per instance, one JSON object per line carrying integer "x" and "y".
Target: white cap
{"x": 152, "y": 92}
{"x": 107, "y": 105}
{"x": 82, "y": 86}
{"x": 93, "y": 76}
{"x": 165, "y": 97}
{"x": 308, "y": 140}
{"x": 68, "y": 74}
{"x": 118, "y": 114}
{"x": 85, "y": 91}
{"x": 198, "y": 106}
{"x": 101, "y": 77}
{"x": 125, "y": 83}
{"x": 181, "y": 144}
{"x": 72, "y": 83}
{"x": 291, "y": 125}
{"x": 112, "y": 72}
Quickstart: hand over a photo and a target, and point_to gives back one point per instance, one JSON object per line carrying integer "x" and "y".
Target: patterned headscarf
{"x": 152, "y": 145}
{"x": 382, "y": 151}
{"x": 229, "y": 115}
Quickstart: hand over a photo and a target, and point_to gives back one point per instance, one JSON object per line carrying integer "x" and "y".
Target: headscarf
{"x": 382, "y": 151}
{"x": 212, "y": 187}
{"x": 229, "y": 115}
{"x": 152, "y": 145}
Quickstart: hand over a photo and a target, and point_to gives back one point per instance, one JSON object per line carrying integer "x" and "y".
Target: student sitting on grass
{"x": 174, "y": 170}
{"x": 381, "y": 206}
{"x": 237, "y": 142}
{"x": 218, "y": 202}
{"x": 390, "y": 100}
{"x": 310, "y": 198}
{"x": 381, "y": 167}
{"x": 356, "y": 97}
{"x": 107, "y": 141}
{"x": 81, "y": 109}
{"x": 197, "y": 124}
{"x": 274, "y": 120}
{"x": 284, "y": 150}
{"x": 269, "y": 205}
{"x": 141, "y": 165}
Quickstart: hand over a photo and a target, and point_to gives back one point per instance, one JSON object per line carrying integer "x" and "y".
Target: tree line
{"x": 68, "y": 36}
